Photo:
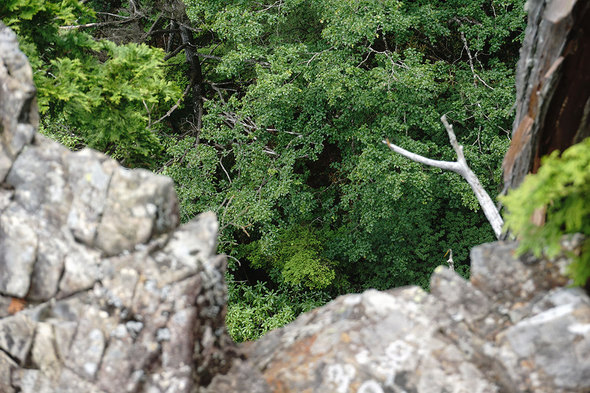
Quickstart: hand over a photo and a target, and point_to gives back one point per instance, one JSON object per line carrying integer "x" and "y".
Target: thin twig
{"x": 98, "y": 24}
{"x": 152, "y": 27}
{"x": 235, "y": 259}
{"x": 475, "y": 75}
{"x": 224, "y": 170}
{"x": 194, "y": 30}
{"x": 175, "y": 106}
{"x": 316, "y": 54}
{"x": 174, "y": 52}
{"x": 164, "y": 31}
{"x": 148, "y": 113}
{"x": 110, "y": 14}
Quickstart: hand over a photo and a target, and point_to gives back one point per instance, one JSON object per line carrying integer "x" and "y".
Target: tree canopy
{"x": 271, "y": 114}
{"x": 304, "y": 93}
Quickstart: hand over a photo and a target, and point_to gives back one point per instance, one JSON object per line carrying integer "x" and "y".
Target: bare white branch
{"x": 98, "y": 24}
{"x": 460, "y": 166}
{"x": 475, "y": 76}
{"x": 446, "y": 165}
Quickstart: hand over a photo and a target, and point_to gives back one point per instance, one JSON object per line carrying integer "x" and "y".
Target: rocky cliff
{"x": 102, "y": 291}
{"x": 512, "y": 328}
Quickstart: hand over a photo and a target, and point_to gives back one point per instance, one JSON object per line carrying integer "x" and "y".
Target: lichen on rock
{"x": 104, "y": 304}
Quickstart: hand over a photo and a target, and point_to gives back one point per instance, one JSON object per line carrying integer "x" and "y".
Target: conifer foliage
{"x": 92, "y": 92}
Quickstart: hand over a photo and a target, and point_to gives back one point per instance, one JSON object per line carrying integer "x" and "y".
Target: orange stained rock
{"x": 291, "y": 361}
{"x": 344, "y": 337}
{"x": 16, "y": 305}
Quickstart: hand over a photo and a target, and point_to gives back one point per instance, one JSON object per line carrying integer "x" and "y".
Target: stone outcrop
{"x": 101, "y": 290}
{"x": 513, "y": 328}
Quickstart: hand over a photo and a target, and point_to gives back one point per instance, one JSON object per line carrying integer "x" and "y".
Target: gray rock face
{"x": 370, "y": 342}
{"x": 513, "y": 328}
{"x": 100, "y": 289}
{"x": 19, "y": 117}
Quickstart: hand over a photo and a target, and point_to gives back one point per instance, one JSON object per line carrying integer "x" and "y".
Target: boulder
{"x": 512, "y": 328}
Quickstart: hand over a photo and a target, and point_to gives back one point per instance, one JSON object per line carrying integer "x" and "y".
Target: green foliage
{"x": 111, "y": 101}
{"x": 28, "y": 15}
{"x": 297, "y": 258}
{"x": 105, "y": 95}
{"x": 57, "y": 129}
{"x": 297, "y": 96}
{"x": 562, "y": 188}
{"x": 313, "y": 88}
{"x": 255, "y": 310}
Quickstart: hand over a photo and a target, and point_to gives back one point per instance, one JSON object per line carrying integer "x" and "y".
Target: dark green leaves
{"x": 320, "y": 84}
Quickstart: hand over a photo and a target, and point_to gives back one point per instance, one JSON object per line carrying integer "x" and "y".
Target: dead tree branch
{"x": 99, "y": 24}
{"x": 460, "y": 166}
{"x": 475, "y": 75}
{"x": 175, "y": 106}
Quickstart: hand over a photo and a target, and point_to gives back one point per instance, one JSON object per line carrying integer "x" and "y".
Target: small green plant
{"x": 297, "y": 260}
{"x": 562, "y": 188}
{"x": 254, "y": 310}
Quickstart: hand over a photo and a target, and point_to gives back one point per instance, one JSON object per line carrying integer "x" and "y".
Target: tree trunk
{"x": 196, "y": 75}
{"x": 552, "y": 86}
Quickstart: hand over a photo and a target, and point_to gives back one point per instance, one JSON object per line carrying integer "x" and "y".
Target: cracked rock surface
{"x": 512, "y": 328}
{"x": 101, "y": 290}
